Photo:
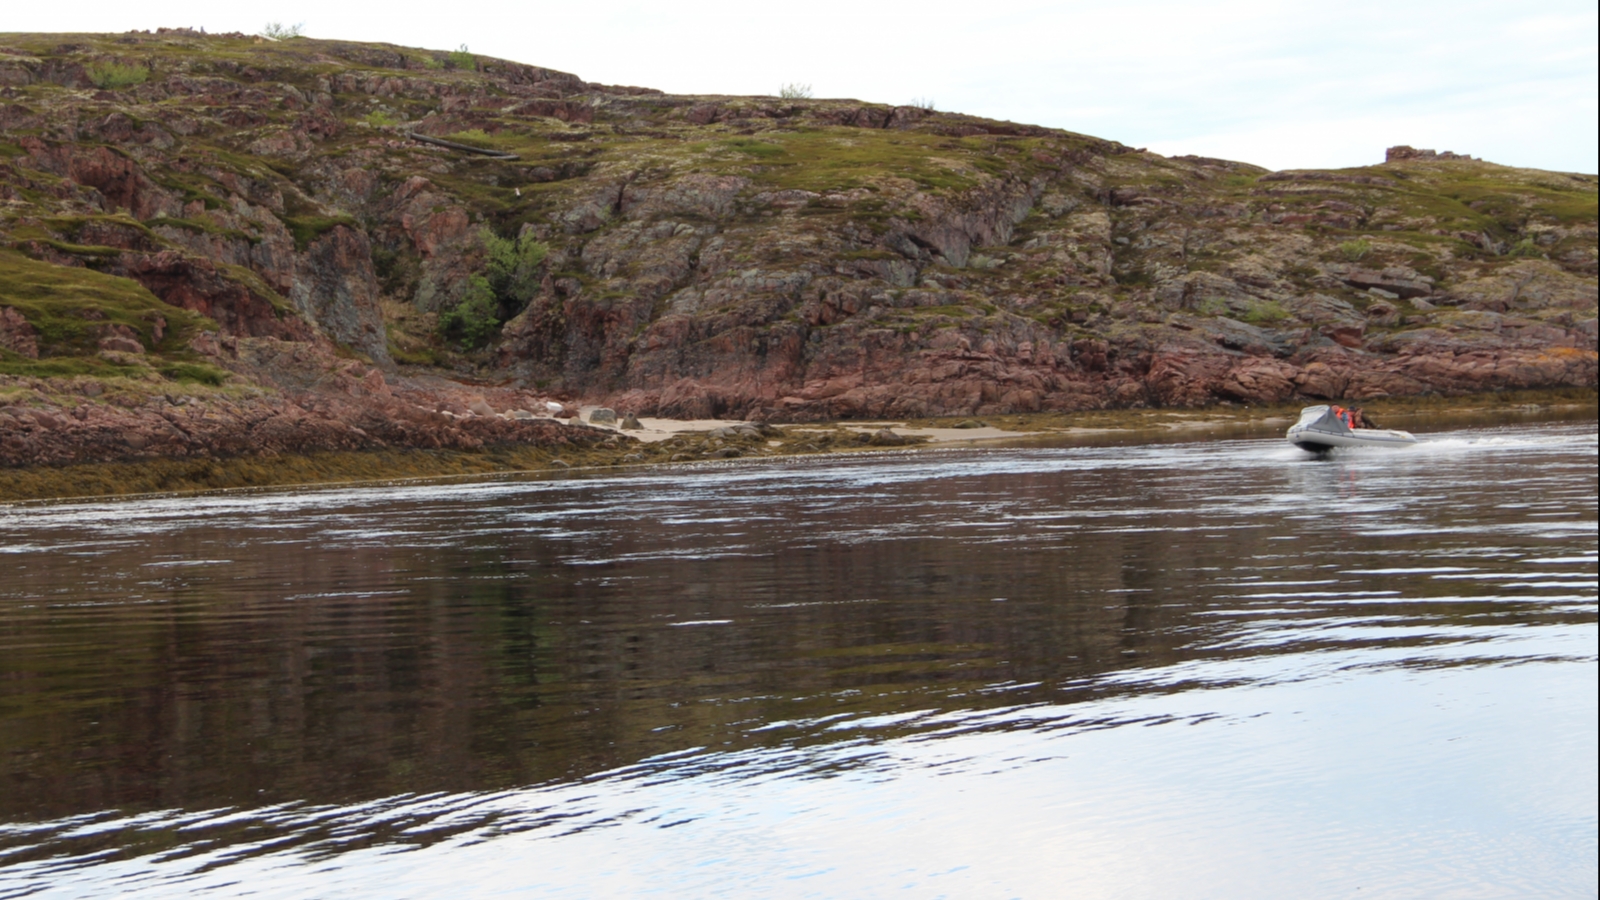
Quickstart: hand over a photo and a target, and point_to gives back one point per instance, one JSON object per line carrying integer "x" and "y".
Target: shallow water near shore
{"x": 1214, "y": 669}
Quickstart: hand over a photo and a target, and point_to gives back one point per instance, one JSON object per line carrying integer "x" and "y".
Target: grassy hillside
{"x": 615, "y": 242}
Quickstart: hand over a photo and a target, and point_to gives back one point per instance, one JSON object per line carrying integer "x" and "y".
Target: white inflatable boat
{"x": 1320, "y": 429}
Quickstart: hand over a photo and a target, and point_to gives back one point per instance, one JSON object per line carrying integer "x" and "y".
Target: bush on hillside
{"x": 473, "y": 321}
{"x": 1355, "y": 250}
{"x": 109, "y": 76}
{"x": 462, "y": 59}
{"x": 509, "y": 280}
{"x": 513, "y": 269}
{"x": 278, "y": 31}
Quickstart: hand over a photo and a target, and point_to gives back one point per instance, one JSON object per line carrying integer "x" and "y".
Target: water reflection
{"x": 237, "y": 684}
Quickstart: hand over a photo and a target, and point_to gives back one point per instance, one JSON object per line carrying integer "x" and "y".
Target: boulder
{"x": 17, "y": 335}
{"x": 1404, "y": 284}
{"x": 1382, "y": 312}
{"x": 603, "y": 416}
{"x": 119, "y": 339}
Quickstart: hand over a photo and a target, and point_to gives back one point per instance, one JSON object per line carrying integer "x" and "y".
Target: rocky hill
{"x": 239, "y": 221}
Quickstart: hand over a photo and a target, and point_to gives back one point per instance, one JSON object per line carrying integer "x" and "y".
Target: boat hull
{"x": 1320, "y": 430}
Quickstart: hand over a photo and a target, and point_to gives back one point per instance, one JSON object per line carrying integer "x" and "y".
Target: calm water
{"x": 1207, "y": 670}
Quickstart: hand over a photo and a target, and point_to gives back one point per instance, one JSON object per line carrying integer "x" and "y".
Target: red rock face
{"x": 119, "y": 180}
{"x": 195, "y": 284}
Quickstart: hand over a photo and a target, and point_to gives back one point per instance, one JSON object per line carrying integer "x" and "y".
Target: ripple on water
{"x": 1218, "y": 669}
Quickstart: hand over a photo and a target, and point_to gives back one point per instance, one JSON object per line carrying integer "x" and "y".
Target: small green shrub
{"x": 1525, "y": 247}
{"x": 432, "y": 62}
{"x": 110, "y": 76}
{"x": 462, "y": 59}
{"x": 795, "y": 91}
{"x": 1265, "y": 312}
{"x": 278, "y": 31}
{"x": 1356, "y": 249}
{"x": 473, "y": 321}
{"x": 379, "y": 119}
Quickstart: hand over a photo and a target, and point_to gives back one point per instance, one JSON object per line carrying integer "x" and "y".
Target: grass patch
{"x": 758, "y": 149}
{"x": 201, "y": 227}
{"x": 167, "y": 475}
{"x": 834, "y": 158}
{"x": 69, "y": 306}
{"x": 472, "y": 137}
{"x": 306, "y": 229}
{"x": 952, "y": 312}
{"x": 83, "y": 251}
{"x": 193, "y": 373}
{"x": 414, "y": 356}
{"x": 65, "y": 367}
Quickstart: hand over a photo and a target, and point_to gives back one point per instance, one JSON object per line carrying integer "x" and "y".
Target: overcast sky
{"x": 1283, "y": 85}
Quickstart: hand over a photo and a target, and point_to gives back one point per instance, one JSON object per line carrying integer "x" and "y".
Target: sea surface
{"x": 1208, "y": 669}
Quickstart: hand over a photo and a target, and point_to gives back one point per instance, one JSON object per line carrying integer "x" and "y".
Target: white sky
{"x": 1279, "y": 84}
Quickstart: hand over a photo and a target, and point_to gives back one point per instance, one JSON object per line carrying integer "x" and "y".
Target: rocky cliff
{"x": 170, "y": 197}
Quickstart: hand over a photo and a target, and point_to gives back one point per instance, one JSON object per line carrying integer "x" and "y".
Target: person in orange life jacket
{"x": 1344, "y": 416}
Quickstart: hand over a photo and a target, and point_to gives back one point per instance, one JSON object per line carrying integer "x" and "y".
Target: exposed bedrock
{"x": 775, "y": 257}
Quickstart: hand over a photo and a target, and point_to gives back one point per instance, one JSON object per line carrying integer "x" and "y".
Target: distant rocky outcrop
{"x": 699, "y": 256}
{"x": 1402, "y": 153}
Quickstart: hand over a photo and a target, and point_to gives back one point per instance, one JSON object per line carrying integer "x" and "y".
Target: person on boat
{"x": 1358, "y": 419}
{"x": 1344, "y": 416}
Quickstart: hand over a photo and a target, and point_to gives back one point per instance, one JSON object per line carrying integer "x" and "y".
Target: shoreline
{"x": 663, "y": 442}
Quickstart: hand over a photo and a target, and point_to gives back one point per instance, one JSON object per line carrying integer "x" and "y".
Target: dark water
{"x": 1210, "y": 670}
